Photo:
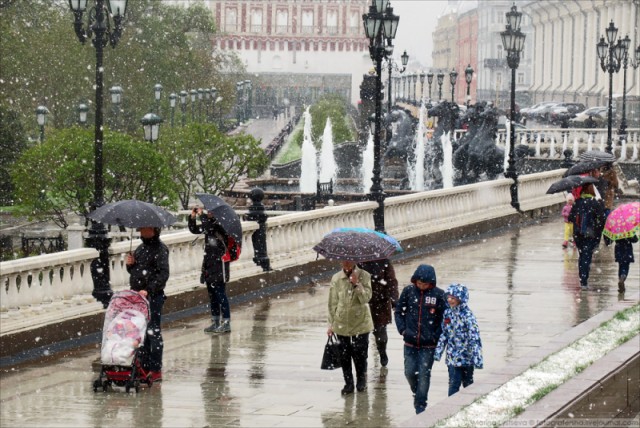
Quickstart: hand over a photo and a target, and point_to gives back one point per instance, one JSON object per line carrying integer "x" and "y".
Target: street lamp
{"x": 610, "y": 55}
{"x": 430, "y": 81}
{"x": 194, "y": 96}
{"x": 440, "y": 78}
{"x": 116, "y": 99}
{"x": 248, "y": 87}
{"x": 183, "y": 106}
{"x": 239, "y": 117}
{"x": 415, "y": 87}
{"x": 83, "y": 109}
{"x": 157, "y": 94}
{"x": 172, "y": 103}
{"x": 41, "y": 118}
{"x": 200, "y": 97}
{"x": 422, "y": 76}
{"x": 626, "y": 44}
{"x": 379, "y": 24}
{"x": 391, "y": 64}
{"x": 151, "y": 126}
{"x": 453, "y": 76}
{"x": 513, "y": 43}
{"x": 207, "y": 97}
{"x": 468, "y": 76}
{"x": 101, "y": 32}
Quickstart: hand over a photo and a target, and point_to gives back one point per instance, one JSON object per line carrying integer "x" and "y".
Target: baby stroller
{"x": 123, "y": 334}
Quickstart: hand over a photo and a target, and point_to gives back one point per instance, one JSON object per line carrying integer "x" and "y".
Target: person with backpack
{"x": 215, "y": 268}
{"x": 588, "y": 218}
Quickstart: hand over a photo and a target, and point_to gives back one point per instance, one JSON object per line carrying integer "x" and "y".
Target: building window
{"x": 332, "y": 22}
{"x": 499, "y": 48}
{"x": 520, "y": 79}
{"x": 282, "y": 21}
{"x": 307, "y": 22}
{"x": 231, "y": 20}
{"x": 256, "y": 21}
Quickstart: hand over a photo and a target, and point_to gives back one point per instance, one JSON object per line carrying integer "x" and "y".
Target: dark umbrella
{"x": 568, "y": 183}
{"x": 584, "y": 167}
{"x": 354, "y": 246}
{"x": 132, "y": 213}
{"x": 597, "y": 155}
{"x": 224, "y": 213}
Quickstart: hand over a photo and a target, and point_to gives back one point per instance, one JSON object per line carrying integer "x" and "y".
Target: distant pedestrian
{"x": 384, "y": 296}
{"x": 461, "y": 339}
{"x": 418, "y": 316}
{"x": 611, "y": 187}
{"x": 623, "y": 252}
{"x": 568, "y": 226}
{"x": 148, "y": 268}
{"x": 215, "y": 268}
{"x": 350, "y": 319}
{"x": 588, "y": 218}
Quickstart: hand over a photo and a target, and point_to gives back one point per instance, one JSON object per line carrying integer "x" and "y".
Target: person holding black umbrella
{"x": 148, "y": 268}
{"x": 215, "y": 267}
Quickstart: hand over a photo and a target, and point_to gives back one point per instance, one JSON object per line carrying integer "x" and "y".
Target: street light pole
{"x": 468, "y": 77}
{"x": 41, "y": 117}
{"x": 183, "y": 106}
{"x": 622, "y": 131}
{"x": 610, "y": 55}
{"x": 194, "y": 96}
{"x": 453, "y": 76}
{"x": 116, "y": 99}
{"x": 440, "y": 78}
{"x": 97, "y": 26}
{"x": 391, "y": 64}
{"x": 151, "y": 126}
{"x": 513, "y": 43}
{"x": 430, "y": 81}
{"x": 172, "y": 104}
{"x": 83, "y": 109}
{"x": 157, "y": 94}
{"x": 379, "y": 23}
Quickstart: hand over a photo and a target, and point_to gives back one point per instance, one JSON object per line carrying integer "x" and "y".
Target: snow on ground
{"x": 513, "y": 397}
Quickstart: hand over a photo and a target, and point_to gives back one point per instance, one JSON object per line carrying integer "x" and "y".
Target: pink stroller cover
{"x": 124, "y": 328}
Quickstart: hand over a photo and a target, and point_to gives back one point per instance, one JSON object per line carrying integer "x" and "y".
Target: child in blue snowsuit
{"x": 461, "y": 338}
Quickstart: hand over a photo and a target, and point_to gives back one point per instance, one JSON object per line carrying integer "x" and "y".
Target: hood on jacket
{"x": 424, "y": 273}
{"x": 459, "y": 291}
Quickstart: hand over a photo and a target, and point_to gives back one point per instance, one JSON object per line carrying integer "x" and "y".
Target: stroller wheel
{"x": 105, "y": 385}
{"x": 96, "y": 384}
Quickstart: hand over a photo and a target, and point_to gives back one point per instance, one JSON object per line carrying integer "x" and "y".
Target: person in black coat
{"x": 418, "y": 316}
{"x": 588, "y": 218}
{"x": 215, "y": 268}
{"x": 148, "y": 268}
{"x": 623, "y": 252}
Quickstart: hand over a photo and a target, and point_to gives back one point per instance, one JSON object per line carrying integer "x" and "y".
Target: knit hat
{"x": 424, "y": 273}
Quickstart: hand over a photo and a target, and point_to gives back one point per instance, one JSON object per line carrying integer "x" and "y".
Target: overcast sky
{"x": 418, "y": 19}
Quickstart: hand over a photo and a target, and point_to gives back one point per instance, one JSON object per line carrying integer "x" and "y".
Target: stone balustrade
{"x": 64, "y": 278}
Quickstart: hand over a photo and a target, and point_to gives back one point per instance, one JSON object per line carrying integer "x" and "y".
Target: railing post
{"x": 259, "y": 237}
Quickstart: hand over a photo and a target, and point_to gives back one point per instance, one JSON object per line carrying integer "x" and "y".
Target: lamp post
{"x": 626, "y": 44}
{"x": 100, "y": 32}
{"x": 379, "y": 23}
{"x": 391, "y": 65}
{"x": 239, "y": 101}
{"x": 83, "y": 109}
{"x": 453, "y": 76}
{"x": 157, "y": 94}
{"x": 468, "y": 76}
{"x": 422, "y": 76}
{"x": 429, "y": 81}
{"x": 172, "y": 103}
{"x": 183, "y": 106}
{"x": 403, "y": 81}
{"x": 116, "y": 100}
{"x": 207, "y": 98}
{"x": 194, "y": 95}
{"x": 440, "y": 78}
{"x": 513, "y": 43}
{"x": 41, "y": 118}
{"x": 200, "y": 97}
{"x": 151, "y": 126}
{"x": 415, "y": 88}
{"x": 247, "y": 90}
{"x": 610, "y": 55}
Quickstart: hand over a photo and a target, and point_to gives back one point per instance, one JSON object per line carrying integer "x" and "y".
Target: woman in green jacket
{"x": 350, "y": 319}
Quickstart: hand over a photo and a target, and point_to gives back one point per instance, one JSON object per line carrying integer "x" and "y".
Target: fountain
{"x": 505, "y": 163}
{"x": 576, "y": 145}
{"x": 328, "y": 167}
{"x": 447, "y": 161}
{"x": 309, "y": 162}
{"x": 590, "y": 142}
{"x": 366, "y": 171}
{"x": 538, "y": 146}
{"x": 415, "y": 164}
{"x": 552, "y": 148}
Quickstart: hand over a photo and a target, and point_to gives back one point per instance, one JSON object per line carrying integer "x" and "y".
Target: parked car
{"x": 528, "y": 110}
{"x": 598, "y": 114}
{"x": 563, "y": 112}
{"x": 541, "y": 114}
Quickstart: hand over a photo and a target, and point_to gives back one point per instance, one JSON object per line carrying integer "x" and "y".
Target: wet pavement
{"x": 524, "y": 290}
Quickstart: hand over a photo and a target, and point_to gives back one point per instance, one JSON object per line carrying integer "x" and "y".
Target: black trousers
{"x": 354, "y": 348}
{"x": 151, "y": 352}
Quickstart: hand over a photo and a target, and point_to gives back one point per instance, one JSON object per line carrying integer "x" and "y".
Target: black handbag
{"x": 331, "y": 356}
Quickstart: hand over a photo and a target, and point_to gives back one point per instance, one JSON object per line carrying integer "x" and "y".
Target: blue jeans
{"x": 417, "y": 370}
{"x": 459, "y": 375}
{"x": 218, "y": 300}
{"x": 151, "y": 352}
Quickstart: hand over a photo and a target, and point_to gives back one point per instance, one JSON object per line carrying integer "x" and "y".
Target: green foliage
{"x": 541, "y": 393}
{"x": 13, "y": 142}
{"x": 203, "y": 159}
{"x": 57, "y": 176}
{"x": 335, "y": 108}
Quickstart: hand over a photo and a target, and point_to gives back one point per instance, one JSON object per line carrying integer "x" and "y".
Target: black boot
{"x": 348, "y": 389}
{"x": 384, "y": 359}
{"x": 361, "y": 383}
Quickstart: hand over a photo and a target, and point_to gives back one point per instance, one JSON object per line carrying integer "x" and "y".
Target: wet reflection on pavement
{"x": 524, "y": 290}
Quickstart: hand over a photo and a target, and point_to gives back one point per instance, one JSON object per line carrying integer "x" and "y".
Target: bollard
{"x": 259, "y": 237}
{"x": 567, "y": 162}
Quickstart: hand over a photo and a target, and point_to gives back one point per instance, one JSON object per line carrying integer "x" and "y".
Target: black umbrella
{"x": 568, "y": 183}
{"x": 584, "y": 167}
{"x": 132, "y": 213}
{"x": 597, "y": 155}
{"x": 224, "y": 213}
{"x": 355, "y": 246}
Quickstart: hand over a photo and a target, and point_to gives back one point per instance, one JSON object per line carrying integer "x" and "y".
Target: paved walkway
{"x": 524, "y": 291}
